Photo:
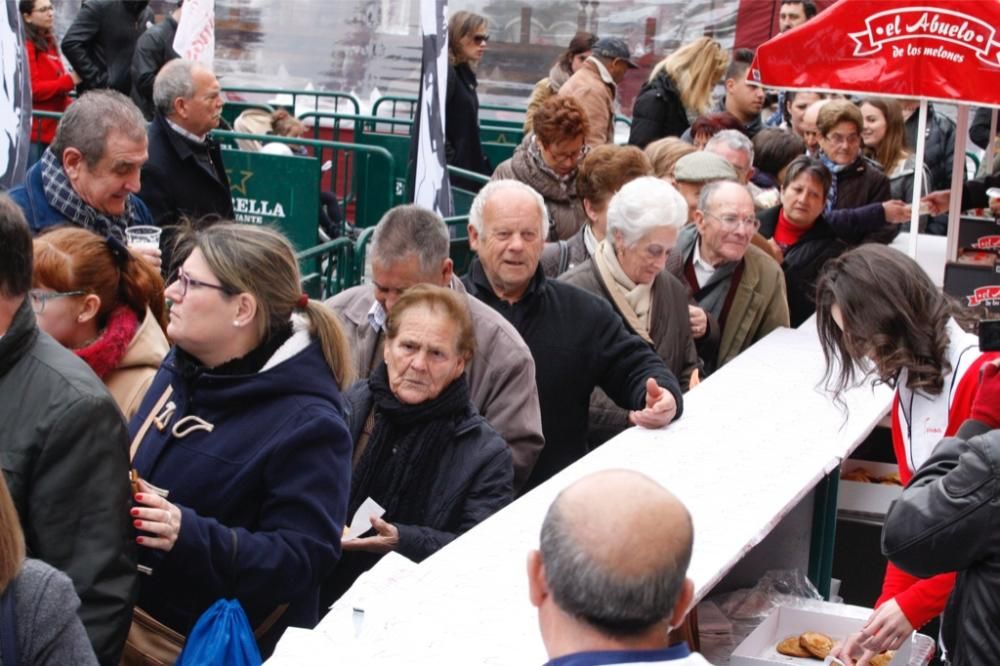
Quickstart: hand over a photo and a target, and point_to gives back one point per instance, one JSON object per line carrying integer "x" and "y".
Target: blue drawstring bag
{"x": 222, "y": 635}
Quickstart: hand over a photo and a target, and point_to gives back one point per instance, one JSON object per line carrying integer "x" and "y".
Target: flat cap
{"x": 614, "y": 47}
{"x": 703, "y": 167}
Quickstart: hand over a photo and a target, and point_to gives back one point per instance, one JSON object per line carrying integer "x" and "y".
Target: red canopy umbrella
{"x": 945, "y": 50}
{"x": 940, "y": 50}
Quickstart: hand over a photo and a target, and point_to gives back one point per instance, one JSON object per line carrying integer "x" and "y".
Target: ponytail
{"x": 142, "y": 286}
{"x": 333, "y": 342}
{"x": 69, "y": 258}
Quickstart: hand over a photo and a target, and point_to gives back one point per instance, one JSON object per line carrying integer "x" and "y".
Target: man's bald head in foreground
{"x": 610, "y": 572}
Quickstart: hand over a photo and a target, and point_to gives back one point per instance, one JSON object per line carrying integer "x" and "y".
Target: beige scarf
{"x": 634, "y": 301}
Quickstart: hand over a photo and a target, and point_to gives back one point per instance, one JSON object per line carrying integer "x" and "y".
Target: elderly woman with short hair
{"x": 644, "y": 219}
{"x": 422, "y": 451}
{"x": 547, "y": 160}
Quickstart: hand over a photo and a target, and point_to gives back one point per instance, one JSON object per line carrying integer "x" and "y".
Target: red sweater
{"x": 50, "y": 88}
{"x": 923, "y": 599}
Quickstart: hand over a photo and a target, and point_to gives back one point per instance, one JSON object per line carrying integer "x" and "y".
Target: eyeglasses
{"x": 838, "y": 139}
{"x": 39, "y": 298}
{"x": 731, "y": 222}
{"x": 559, "y": 158}
{"x": 43, "y": 10}
{"x": 187, "y": 282}
{"x": 480, "y": 39}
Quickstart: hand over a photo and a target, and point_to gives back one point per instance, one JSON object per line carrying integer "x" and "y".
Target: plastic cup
{"x": 143, "y": 236}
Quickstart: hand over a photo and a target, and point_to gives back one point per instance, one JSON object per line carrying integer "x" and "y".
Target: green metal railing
{"x": 363, "y": 171}
{"x": 338, "y": 98}
{"x": 328, "y": 268}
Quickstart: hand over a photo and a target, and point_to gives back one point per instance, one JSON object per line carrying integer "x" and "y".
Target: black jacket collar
{"x": 19, "y": 337}
{"x": 479, "y": 285}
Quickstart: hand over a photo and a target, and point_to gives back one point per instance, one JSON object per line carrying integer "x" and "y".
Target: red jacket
{"x": 921, "y": 600}
{"x": 50, "y": 88}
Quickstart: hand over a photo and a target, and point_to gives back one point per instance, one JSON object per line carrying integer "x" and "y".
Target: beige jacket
{"x": 501, "y": 375}
{"x": 595, "y": 91}
{"x": 130, "y": 380}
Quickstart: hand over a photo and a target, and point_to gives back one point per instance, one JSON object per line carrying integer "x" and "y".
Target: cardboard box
{"x": 974, "y": 285}
{"x": 759, "y": 646}
{"x": 866, "y": 500}
{"x": 979, "y": 233}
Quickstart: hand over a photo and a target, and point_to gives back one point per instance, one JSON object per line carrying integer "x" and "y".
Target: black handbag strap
{"x": 8, "y": 627}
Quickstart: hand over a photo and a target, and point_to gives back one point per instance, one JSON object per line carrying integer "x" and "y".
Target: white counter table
{"x": 755, "y": 438}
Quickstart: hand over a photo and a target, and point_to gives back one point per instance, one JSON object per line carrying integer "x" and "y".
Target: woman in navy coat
{"x": 241, "y": 443}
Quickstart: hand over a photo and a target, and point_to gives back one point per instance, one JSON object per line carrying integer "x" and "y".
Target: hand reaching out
{"x": 660, "y": 407}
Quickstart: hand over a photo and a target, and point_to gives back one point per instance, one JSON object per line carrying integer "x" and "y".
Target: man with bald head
{"x": 737, "y": 292}
{"x": 577, "y": 340}
{"x": 808, "y": 129}
{"x": 613, "y": 601}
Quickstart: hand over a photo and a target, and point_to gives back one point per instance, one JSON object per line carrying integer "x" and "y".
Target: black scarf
{"x": 403, "y": 457}
{"x": 190, "y": 368}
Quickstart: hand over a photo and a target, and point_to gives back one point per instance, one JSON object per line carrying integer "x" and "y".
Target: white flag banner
{"x": 195, "y": 37}
{"x": 15, "y": 99}
{"x": 431, "y": 189}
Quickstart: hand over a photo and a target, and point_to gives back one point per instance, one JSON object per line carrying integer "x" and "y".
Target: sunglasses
{"x": 480, "y": 39}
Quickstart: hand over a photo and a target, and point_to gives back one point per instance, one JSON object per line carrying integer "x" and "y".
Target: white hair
{"x": 643, "y": 205}
{"x": 497, "y": 186}
{"x": 732, "y": 139}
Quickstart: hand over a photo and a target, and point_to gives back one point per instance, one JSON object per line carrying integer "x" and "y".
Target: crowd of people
{"x": 190, "y": 426}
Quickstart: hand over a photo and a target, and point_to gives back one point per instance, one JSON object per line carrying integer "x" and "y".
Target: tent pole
{"x": 957, "y": 181}
{"x": 918, "y": 178}
{"x": 991, "y": 144}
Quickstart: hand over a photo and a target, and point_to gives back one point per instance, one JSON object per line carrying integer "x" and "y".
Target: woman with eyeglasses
{"x": 547, "y": 160}
{"x": 51, "y": 84}
{"x": 467, "y": 37}
{"x": 105, "y": 304}
{"x": 881, "y": 318}
{"x": 241, "y": 443}
{"x": 857, "y": 181}
{"x": 627, "y": 270}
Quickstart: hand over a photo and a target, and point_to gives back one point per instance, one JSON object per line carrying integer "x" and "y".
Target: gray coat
{"x": 64, "y": 452}
{"x": 49, "y": 631}
{"x": 560, "y": 256}
{"x": 501, "y": 375}
{"x": 669, "y": 330}
{"x": 947, "y": 520}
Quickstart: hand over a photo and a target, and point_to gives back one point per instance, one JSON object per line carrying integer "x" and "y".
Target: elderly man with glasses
{"x": 737, "y": 291}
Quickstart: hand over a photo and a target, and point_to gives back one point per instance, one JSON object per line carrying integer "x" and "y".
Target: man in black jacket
{"x": 64, "y": 450}
{"x": 100, "y": 42}
{"x": 947, "y": 520}
{"x": 154, "y": 49}
{"x": 577, "y": 339}
{"x": 185, "y": 176}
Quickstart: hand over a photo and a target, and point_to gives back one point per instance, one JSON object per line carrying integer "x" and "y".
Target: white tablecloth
{"x": 753, "y": 441}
